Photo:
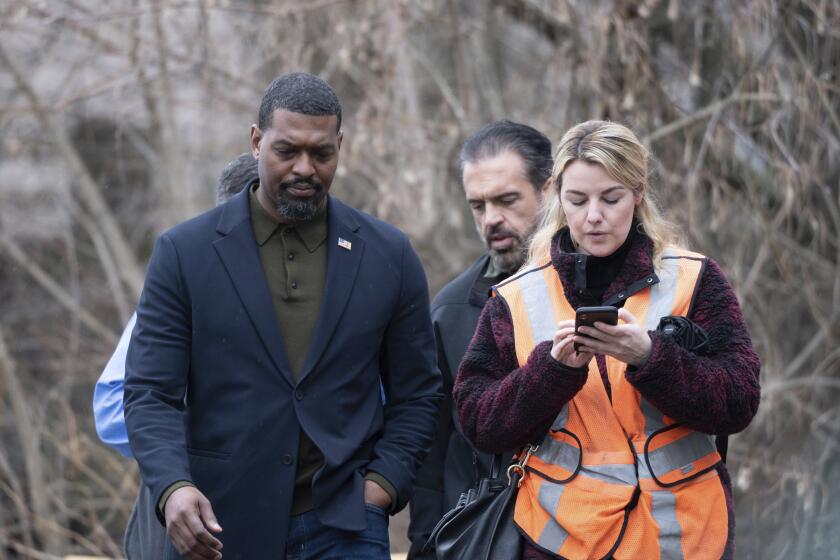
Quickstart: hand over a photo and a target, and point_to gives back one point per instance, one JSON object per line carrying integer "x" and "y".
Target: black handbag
{"x": 480, "y": 526}
{"x": 685, "y": 333}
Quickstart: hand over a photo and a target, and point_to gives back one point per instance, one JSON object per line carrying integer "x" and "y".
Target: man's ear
{"x": 340, "y": 138}
{"x": 256, "y": 138}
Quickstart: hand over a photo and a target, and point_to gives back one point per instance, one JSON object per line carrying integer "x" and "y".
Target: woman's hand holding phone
{"x": 627, "y": 342}
{"x": 562, "y": 348}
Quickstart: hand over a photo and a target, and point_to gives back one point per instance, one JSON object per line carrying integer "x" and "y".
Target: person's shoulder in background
{"x": 108, "y": 412}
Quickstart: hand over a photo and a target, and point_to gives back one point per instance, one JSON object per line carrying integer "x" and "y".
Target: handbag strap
{"x": 496, "y": 466}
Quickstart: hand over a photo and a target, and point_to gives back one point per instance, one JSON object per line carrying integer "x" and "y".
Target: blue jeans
{"x": 310, "y": 540}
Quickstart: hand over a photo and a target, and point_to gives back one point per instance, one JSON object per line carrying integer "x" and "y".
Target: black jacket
{"x": 452, "y": 465}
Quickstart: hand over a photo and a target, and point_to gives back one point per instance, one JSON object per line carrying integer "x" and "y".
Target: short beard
{"x": 296, "y": 210}
{"x": 510, "y": 261}
{"x": 293, "y": 209}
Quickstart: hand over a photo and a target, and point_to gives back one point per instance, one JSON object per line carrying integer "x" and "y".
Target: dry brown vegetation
{"x": 116, "y": 117}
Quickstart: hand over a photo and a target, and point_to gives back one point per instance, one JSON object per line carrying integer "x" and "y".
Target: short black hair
{"x": 529, "y": 143}
{"x": 302, "y": 93}
{"x": 236, "y": 175}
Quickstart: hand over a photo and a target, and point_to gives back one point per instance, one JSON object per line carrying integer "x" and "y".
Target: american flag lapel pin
{"x": 344, "y": 244}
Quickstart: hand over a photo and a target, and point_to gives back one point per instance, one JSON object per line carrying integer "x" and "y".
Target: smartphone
{"x": 588, "y": 316}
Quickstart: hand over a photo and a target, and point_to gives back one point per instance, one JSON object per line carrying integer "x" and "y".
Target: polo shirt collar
{"x": 312, "y": 233}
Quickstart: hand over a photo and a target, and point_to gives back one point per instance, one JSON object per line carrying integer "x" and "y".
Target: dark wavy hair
{"x": 529, "y": 143}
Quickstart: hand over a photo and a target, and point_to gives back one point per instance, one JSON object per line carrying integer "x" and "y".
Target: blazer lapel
{"x": 344, "y": 253}
{"x": 240, "y": 256}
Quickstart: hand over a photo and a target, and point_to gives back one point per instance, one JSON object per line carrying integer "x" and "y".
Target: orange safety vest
{"x": 614, "y": 477}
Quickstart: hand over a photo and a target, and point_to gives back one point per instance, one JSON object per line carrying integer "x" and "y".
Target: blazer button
{"x": 299, "y": 394}
{"x": 287, "y": 459}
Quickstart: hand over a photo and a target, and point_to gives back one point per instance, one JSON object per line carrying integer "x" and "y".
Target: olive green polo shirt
{"x": 294, "y": 259}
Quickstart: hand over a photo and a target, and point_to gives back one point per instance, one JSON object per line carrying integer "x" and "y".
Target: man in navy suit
{"x": 281, "y": 388}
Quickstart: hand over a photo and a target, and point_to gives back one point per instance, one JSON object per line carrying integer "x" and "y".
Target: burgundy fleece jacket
{"x": 503, "y": 406}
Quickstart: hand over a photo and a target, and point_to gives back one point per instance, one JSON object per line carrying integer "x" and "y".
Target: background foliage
{"x": 116, "y": 117}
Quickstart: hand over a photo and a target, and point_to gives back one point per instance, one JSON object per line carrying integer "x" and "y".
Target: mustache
{"x": 500, "y": 230}
{"x": 286, "y": 185}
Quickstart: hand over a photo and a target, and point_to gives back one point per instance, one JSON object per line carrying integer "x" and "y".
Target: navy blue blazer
{"x": 210, "y": 398}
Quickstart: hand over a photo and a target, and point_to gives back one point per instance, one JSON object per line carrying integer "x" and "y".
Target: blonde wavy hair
{"x": 618, "y": 151}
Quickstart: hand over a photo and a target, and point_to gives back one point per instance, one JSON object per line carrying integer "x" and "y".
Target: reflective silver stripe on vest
{"x": 562, "y": 417}
{"x": 553, "y": 535}
{"x": 653, "y": 418}
{"x": 558, "y": 453}
{"x": 670, "y": 531}
{"x": 644, "y": 472}
{"x": 566, "y": 456}
{"x": 611, "y": 474}
{"x": 537, "y": 303}
{"x": 662, "y": 294}
{"x": 677, "y": 455}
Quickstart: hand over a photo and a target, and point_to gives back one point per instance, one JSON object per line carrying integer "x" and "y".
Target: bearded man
{"x": 280, "y": 387}
{"x": 505, "y": 168}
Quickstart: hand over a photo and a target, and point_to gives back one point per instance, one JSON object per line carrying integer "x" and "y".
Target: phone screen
{"x": 588, "y": 316}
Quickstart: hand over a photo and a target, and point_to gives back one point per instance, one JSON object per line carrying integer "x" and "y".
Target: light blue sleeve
{"x": 108, "y": 397}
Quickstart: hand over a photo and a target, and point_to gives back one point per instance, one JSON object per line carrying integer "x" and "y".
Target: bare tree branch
{"x": 130, "y": 270}
{"x": 43, "y": 279}
{"x": 29, "y": 436}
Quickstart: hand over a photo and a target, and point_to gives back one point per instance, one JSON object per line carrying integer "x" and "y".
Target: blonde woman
{"x": 616, "y": 438}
